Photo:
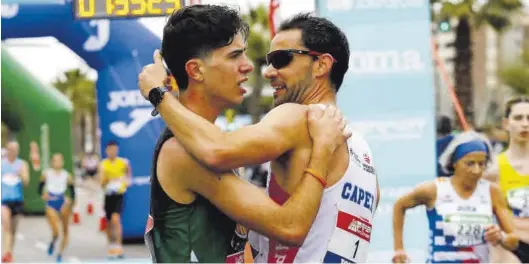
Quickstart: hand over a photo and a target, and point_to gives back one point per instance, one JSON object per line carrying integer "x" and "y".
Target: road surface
{"x": 87, "y": 244}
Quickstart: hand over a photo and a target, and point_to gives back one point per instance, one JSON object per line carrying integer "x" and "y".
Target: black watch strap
{"x": 155, "y": 97}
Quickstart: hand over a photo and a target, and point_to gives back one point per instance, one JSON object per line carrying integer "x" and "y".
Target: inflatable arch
{"x": 117, "y": 49}
{"x": 37, "y": 113}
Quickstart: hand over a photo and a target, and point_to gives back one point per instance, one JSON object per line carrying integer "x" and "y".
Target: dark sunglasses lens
{"x": 279, "y": 59}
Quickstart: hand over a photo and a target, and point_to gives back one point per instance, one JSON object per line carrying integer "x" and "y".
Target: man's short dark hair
{"x": 112, "y": 143}
{"x": 321, "y": 35}
{"x": 194, "y": 31}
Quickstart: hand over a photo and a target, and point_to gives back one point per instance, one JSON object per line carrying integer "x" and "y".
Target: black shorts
{"x": 522, "y": 252}
{"x": 15, "y": 207}
{"x": 90, "y": 172}
{"x": 113, "y": 204}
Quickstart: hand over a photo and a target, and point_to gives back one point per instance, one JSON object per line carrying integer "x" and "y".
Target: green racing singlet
{"x": 196, "y": 232}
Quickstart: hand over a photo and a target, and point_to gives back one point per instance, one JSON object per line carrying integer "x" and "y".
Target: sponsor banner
{"x": 388, "y": 96}
{"x": 117, "y": 49}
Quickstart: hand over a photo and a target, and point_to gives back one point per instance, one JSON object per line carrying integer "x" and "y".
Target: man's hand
{"x": 400, "y": 256}
{"x": 45, "y": 196}
{"x": 152, "y": 75}
{"x": 493, "y": 235}
{"x": 327, "y": 126}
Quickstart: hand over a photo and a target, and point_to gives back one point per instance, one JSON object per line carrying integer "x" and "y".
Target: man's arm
{"x": 504, "y": 216}
{"x": 102, "y": 177}
{"x": 41, "y": 187}
{"x": 24, "y": 173}
{"x": 128, "y": 173}
{"x": 246, "y": 203}
{"x": 274, "y": 135}
{"x": 71, "y": 186}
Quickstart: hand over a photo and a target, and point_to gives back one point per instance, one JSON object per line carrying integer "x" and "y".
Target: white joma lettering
{"x": 122, "y": 99}
{"x": 389, "y": 61}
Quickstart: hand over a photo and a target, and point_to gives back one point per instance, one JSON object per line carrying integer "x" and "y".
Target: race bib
{"x": 114, "y": 186}
{"x": 518, "y": 199}
{"x": 10, "y": 179}
{"x": 350, "y": 240}
{"x": 467, "y": 230}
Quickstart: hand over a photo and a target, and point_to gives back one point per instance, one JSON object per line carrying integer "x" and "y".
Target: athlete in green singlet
{"x": 192, "y": 205}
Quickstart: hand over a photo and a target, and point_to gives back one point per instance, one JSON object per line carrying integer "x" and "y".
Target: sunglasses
{"x": 282, "y": 58}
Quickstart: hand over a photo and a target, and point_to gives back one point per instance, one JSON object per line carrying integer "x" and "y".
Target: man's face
{"x": 12, "y": 150}
{"x": 57, "y": 161}
{"x": 517, "y": 123}
{"x": 112, "y": 151}
{"x": 292, "y": 81}
{"x": 225, "y": 70}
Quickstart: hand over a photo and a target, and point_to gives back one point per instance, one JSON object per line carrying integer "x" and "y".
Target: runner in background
{"x": 90, "y": 166}
{"x": 15, "y": 175}
{"x": 460, "y": 208}
{"x": 115, "y": 177}
{"x": 511, "y": 171}
{"x": 54, "y": 183}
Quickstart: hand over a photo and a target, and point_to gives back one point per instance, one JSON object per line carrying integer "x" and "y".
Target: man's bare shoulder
{"x": 179, "y": 162}
{"x": 173, "y": 153}
{"x": 289, "y": 111}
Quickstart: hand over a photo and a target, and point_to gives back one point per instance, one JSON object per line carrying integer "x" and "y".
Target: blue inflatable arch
{"x": 117, "y": 49}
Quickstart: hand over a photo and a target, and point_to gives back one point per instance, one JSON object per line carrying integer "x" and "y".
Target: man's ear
{"x": 195, "y": 69}
{"x": 323, "y": 65}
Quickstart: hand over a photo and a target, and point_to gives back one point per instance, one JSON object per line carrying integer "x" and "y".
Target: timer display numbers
{"x": 109, "y": 9}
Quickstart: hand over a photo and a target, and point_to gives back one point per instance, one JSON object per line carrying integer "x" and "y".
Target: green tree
{"x": 516, "y": 75}
{"x": 258, "y": 46}
{"x": 81, "y": 92}
{"x": 497, "y": 14}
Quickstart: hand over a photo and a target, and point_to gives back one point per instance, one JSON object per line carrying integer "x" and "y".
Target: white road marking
{"x": 41, "y": 245}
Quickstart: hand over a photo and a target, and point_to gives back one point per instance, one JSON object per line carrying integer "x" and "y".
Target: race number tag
{"x": 518, "y": 199}
{"x": 10, "y": 179}
{"x": 467, "y": 230}
{"x": 350, "y": 240}
{"x": 114, "y": 185}
{"x": 237, "y": 257}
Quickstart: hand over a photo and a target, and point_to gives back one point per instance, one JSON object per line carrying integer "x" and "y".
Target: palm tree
{"x": 258, "y": 46}
{"x": 497, "y": 14}
{"x": 81, "y": 92}
{"x": 516, "y": 75}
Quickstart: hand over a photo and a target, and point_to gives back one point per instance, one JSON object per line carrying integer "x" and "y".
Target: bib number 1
{"x": 356, "y": 248}
{"x": 350, "y": 240}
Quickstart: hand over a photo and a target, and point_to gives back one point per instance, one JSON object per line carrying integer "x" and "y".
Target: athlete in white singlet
{"x": 342, "y": 228}
{"x": 55, "y": 182}
{"x": 460, "y": 208}
{"x": 15, "y": 175}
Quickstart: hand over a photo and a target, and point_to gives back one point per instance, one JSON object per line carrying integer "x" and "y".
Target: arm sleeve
{"x": 72, "y": 191}
{"x": 41, "y": 187}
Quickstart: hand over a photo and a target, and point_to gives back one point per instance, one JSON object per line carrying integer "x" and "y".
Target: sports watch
{"x": 155, "y": 97}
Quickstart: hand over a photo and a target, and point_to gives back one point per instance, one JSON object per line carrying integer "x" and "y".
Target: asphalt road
{"x": 87, "y": 244}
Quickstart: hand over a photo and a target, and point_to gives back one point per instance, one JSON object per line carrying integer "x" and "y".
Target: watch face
{"x": 155, "y": 96}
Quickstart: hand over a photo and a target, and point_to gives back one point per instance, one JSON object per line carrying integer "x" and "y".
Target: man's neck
{"x": 11, "y": 159}
{"x": 200, "y": 104}
{"x": 518, "y": 149}
{"x": 320, "y": 93}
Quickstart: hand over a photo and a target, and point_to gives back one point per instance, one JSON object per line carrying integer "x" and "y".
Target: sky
{"x": 46, "y": 58}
